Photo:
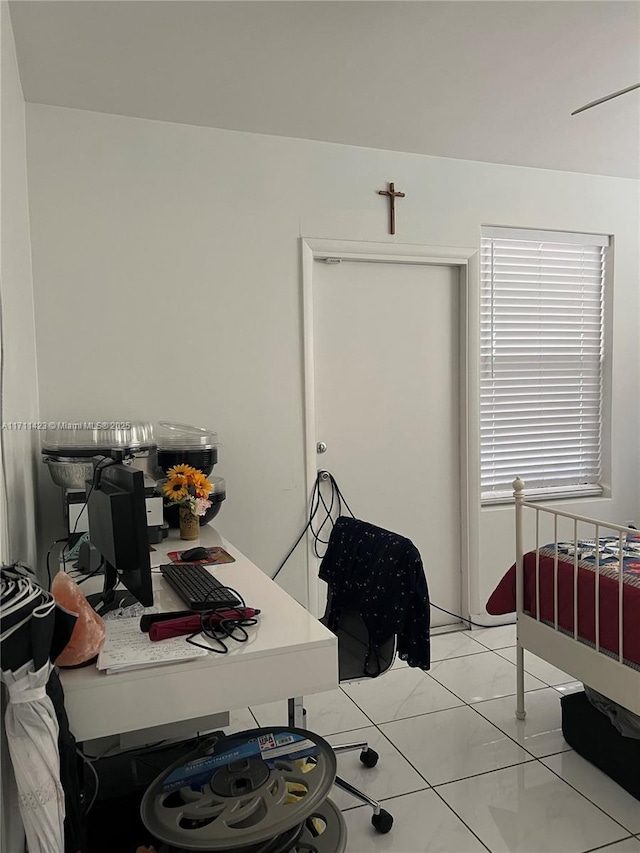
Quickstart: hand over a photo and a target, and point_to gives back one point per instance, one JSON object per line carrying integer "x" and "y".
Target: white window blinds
{"x": 541, "y": 321}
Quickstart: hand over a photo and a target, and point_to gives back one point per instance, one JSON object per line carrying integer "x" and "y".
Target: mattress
{"x": 503, "y": 598}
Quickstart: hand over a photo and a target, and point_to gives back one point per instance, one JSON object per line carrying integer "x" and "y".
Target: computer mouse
{"x": 195, "y": 554}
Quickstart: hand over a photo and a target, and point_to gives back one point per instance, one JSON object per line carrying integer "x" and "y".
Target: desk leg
{"x": 297, "y": 714}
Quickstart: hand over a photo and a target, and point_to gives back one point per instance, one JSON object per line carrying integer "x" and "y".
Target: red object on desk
{"x": 191, "y": 624}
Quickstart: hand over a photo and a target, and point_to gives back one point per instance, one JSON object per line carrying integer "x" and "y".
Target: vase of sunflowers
{"x": 189, "y": 490}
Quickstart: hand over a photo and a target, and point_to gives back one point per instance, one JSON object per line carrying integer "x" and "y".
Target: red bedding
{"x": 503, "y": 600}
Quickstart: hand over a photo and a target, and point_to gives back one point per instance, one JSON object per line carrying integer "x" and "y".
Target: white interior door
{"x": 387, "y": 392}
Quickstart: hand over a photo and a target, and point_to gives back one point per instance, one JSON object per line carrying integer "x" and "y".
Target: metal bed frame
{"x": 609, "y": 675}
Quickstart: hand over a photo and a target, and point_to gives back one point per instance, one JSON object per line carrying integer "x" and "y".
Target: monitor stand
{"x": 110, "y": 598}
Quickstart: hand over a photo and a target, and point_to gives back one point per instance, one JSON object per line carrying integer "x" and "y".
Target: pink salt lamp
{"x": 87, "y": 638}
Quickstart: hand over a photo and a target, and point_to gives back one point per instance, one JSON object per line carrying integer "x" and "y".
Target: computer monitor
{"x": 118, "y": 530}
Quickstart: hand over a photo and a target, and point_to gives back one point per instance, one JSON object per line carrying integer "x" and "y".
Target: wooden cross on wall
{"x": 393, "y": 195}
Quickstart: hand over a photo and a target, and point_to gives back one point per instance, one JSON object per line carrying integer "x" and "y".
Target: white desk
{"x": 288, "y": 654}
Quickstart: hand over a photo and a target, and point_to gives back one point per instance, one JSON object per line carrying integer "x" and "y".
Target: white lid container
{"x": 82, "y": 438}
{"x": 173, "y": 436}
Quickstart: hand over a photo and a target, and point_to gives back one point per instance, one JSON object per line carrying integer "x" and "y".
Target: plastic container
{"x": 89, "y": 439}
{"x": 183, "y": 444}
{"x": 68, "y": 450}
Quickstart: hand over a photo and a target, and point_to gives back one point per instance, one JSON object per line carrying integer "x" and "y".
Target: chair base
{"x": 381, "y": 819}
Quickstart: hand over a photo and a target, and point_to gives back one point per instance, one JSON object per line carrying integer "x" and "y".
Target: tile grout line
{"x": 484, "y": 773}
{"x": 462, "y": 821}
{"x": 464, "y": 704}
{"x": 531, "y": 759}
{"x": 451, "y": 781}
{"x": 411, "y": 716}
{"x": 611, "y": 844}
{"x": 506, "y": 734}
{"x": 432, "y": 788}
{"x": 435, "y": 787}
{"x": 611, "y": 817}
{"x": 533, "y": 690}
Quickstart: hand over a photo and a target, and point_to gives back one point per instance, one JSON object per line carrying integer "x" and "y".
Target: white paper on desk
{"x": 127, "y": 647}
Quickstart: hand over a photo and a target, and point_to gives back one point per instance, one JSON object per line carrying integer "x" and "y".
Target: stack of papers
{"x": 127, "y": 647}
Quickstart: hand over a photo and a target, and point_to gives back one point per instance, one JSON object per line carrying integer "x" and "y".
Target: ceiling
{"x": 488, "y": 81}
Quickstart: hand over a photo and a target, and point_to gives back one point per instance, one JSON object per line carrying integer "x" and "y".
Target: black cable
{"x": 461, "y": 618}
{"x": 93, "y": 573}
{"x": 226, "y": 628}
{"x": 96, "y": 778}
{"x": 99, "y": 467}
{"x": 53, "y": 544}
{"x": 337, "y": 497}
{"x": 317, "y": 498}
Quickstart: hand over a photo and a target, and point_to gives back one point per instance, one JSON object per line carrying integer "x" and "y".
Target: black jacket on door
{"x": 381, "y": 574}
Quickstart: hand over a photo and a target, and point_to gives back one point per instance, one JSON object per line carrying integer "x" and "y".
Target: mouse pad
{"x": 215, "y": 555}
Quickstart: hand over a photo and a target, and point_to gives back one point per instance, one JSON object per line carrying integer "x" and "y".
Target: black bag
{"x": 593, "y": 737}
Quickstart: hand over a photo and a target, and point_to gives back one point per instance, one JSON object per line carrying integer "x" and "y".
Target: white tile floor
{"x": 458, "y": 772}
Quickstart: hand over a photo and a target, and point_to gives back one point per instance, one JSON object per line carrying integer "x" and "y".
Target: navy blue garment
{"x": 381, "y": 574}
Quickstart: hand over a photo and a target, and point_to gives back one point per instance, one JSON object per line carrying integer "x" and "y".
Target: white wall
{"x": 19, "y": 386}
{"x": 167, "y": 285}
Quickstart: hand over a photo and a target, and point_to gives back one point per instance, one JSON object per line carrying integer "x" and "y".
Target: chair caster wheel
{"x": 369, "y": 757}
{"x": 382, "y": 822}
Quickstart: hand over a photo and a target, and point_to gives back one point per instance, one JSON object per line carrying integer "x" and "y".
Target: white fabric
{"x": 11, "y": 830}
{"x": 32, "y": 733}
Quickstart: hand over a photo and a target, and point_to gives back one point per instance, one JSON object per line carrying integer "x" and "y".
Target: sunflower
{"x": 175, "y": 489}
{"x": 179, "y": 471}
{"x": 203, "y": 487}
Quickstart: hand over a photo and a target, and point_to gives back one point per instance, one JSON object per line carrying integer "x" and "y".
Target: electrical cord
{"x": 337, "y": 499}
{"x": 113, "y": 750}
{"x": 224, "y": 628}
{"x": 99, "y": 467}
{"x": 318, "y": 499}
{"x": 95, "y": 777}
{"x": 461, "y": 618}
{"x": 53, "y": 545}
{"x": 93, "y": 573}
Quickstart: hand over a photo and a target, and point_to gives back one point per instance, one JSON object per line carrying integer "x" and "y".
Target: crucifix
{"x": 393, "y": 195}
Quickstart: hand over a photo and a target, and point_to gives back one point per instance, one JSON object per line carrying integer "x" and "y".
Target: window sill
{"x": 543, "y": 495}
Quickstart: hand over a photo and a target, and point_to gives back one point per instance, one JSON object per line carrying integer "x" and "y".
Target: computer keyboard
{"x": 197, "y": 588}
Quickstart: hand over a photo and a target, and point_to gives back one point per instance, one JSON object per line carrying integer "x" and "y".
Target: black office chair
{"x": 377, "y": 591}
{"x": 353, "y": 648}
